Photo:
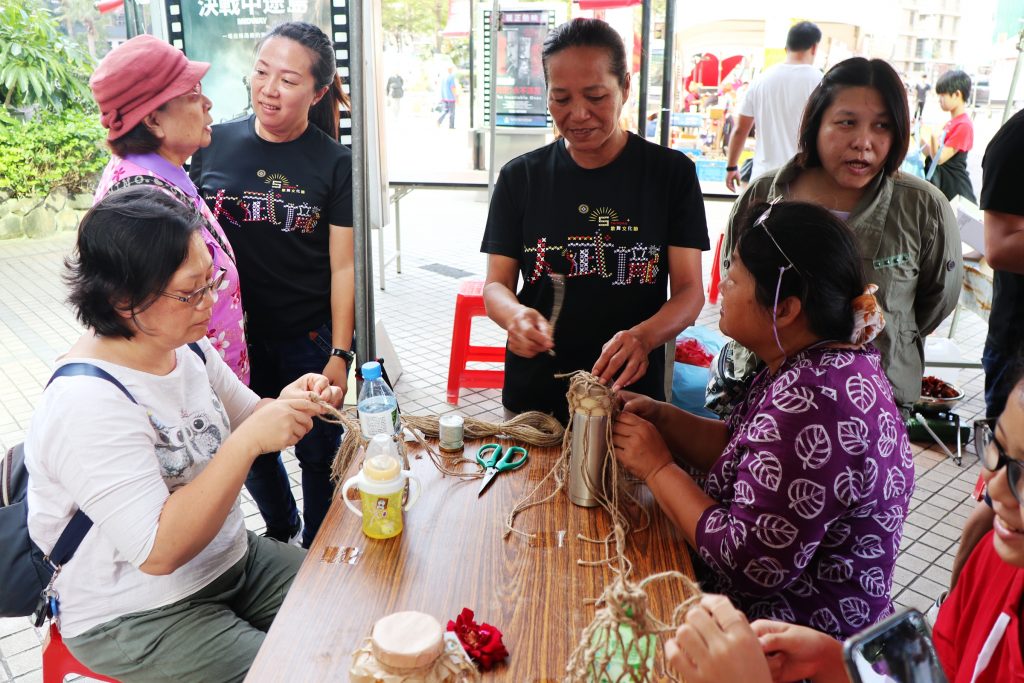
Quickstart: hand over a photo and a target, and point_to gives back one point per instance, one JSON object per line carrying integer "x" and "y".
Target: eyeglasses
{"x": 992, "y": 457}
{"x": 196, "y": 297}
{"x": 762, "y": 221}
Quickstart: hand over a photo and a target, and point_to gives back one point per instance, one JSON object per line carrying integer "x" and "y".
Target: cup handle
{"x": 414, "y": 490}
{"x": 344, "y": 495}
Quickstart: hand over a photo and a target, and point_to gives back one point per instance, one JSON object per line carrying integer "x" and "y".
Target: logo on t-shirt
{"x": 606, "y": 253}
{"x": 269, "y": 207}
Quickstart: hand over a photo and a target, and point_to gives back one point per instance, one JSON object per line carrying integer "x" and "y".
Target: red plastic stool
{"x": 469, "y": 303}
{"x": 58, "y": 662}
{"x": 716, "y": 272}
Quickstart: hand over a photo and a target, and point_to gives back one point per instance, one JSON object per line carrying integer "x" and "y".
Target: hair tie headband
{"x": 868, "y": 320}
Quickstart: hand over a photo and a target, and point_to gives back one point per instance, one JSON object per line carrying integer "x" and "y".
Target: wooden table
{"x": 452, "y": 555}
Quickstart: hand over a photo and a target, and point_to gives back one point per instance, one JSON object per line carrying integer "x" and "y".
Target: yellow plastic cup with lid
{"x": 381, "y": 483}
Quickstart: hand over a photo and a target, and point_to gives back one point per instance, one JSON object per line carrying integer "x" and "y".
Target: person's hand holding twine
{"x": 639, "y": 446}
{"x": 312, "y": 386}
{"x": 716, "y": 643}
{"x": 529, "y": 333}
{"x": 625, "y": 355}
{"x": 798, "y": 652}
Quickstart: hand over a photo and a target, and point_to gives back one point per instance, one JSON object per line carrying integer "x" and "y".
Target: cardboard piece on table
{"x": 972, "y": 228}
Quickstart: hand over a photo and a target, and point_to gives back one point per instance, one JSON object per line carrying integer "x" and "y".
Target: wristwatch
{"x": 730, "y": 169}
{"x": 342, "y": 353}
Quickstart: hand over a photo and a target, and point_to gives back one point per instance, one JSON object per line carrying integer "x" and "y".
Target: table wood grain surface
{"x": 451, "y": 555}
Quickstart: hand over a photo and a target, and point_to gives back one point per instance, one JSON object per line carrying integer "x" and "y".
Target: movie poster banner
{"x": 225, "y": 33}
{"x": 520, "y": 97}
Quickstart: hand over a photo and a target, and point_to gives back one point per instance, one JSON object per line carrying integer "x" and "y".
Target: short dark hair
{"x": 802, "y": 36}
{"x": 827, "y": 274}
{"x": 129, "y": 246}
{"x": 951, "y": 81}
{"x": 581, "y": 32}
{"x": 857, "y": 72}
{"x": 139, "y": 140}
{"x": 325, "y": 114}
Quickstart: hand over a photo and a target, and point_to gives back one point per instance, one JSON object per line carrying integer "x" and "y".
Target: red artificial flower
{"x": 481, "y": 641}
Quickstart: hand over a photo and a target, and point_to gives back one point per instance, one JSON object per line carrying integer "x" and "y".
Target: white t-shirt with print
{"x": 88, "y": 446}
{"x": 776, "y": 100}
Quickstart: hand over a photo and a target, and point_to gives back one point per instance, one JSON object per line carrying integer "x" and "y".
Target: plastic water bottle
{"x": 378, "y": 407}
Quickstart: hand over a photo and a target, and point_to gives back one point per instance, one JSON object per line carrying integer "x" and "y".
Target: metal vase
{"x": 586, "y": 458}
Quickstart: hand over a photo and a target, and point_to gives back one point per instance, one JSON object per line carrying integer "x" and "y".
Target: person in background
{"x": 774, "y": 103}
{"x": 152, "y": 104}
{"x": 281, "y": 185}
{"x": 396, "y": 91}
{"x": 449, "y": 97}
{"x": 1003, "y": 204}
{"x": 167, "y": 584}
{"x": 978, "y": 632}
{"x": 948, "y": 152}
{"x": 921, "y": 96}
{"x": 620, "y": 217}
{"x": 807, "y": 484}
{"x": 853, "y": 136}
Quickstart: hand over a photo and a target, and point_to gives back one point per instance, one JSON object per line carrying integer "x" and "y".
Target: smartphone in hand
{"x": 898, "y": 649}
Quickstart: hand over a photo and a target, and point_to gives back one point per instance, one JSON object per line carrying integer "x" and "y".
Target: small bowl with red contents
{"x": 937, "y": 396}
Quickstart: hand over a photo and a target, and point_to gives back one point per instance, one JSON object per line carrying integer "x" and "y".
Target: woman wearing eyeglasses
{"x": 853, "y": 137}
{"x": 153, "y": 107}
{"x": 806, "y": 486}
{"x": 978, "y": 631}
{"x": 167, "y": 584}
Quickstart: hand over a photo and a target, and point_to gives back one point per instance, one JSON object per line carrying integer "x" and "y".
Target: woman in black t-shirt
{"x": 621, "y": 218}
{"x": 282, "y": 190}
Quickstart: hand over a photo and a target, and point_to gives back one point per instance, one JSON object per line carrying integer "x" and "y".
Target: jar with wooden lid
{"x": 411, "y": 647}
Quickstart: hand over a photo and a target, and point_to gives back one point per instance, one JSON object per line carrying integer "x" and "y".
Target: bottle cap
{"x": 407, "y": 640}
{"x": 371, "y": 370}
{"x": 381, "y": 463}
{"x": 384, "y": 467}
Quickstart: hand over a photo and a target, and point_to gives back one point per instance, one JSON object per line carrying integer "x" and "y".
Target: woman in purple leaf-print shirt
{"x": 806, "y": 486}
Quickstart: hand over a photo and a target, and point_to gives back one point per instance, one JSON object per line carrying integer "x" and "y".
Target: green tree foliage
{"x": 38, "y": 64}
{"x": 406, "y": 20}
{"x": 53, "y": 148}
{"x": 82, "y": 14}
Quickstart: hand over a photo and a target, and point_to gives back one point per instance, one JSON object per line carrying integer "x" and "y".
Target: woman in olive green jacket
{"x": 853, "y": 137}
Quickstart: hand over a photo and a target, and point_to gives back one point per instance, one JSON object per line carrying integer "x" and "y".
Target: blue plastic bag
{"x": 690, "y": 381}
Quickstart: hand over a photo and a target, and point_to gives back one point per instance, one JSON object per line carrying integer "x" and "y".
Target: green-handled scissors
{"x": 497, "y": 460}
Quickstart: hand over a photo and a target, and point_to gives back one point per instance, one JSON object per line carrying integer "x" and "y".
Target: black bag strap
{"x": 89, "y": 370}
{"x": 198, "y": 351}
{"x": 74, "y": 533}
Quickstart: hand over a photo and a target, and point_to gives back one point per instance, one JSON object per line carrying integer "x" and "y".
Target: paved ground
{"x": 440, "y": 228}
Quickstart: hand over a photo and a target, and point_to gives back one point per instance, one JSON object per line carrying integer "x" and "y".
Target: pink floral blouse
{"x": 227, "y": 330}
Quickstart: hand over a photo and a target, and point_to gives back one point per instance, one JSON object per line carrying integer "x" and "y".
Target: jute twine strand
{"x": 625, "y": 628}
{"x": 589, "y": 396}
{"x": 531, "y": 428}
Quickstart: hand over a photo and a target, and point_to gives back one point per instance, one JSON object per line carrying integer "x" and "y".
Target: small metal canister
{"x": 586, "y": 458}
{"x": 450, "y": 428}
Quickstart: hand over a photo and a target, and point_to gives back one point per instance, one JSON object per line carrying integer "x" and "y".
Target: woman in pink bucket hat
{"x": 152, "y": 104}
